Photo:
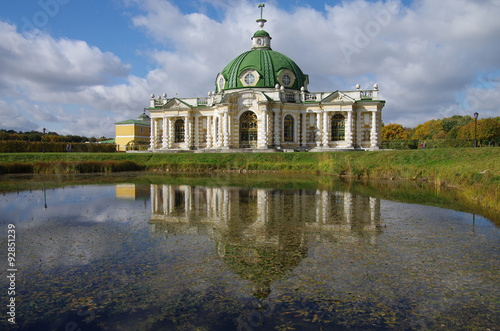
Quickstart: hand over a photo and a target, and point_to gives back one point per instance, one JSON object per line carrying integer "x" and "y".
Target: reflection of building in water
{"x": 255, "y": 213}
{"x": 263, "y": 233}
{"x": 132, "y": 191}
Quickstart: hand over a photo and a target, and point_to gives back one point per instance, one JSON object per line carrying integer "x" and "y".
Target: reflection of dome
{"x": 261, "y": 67}
{"x": 262, "y": 265}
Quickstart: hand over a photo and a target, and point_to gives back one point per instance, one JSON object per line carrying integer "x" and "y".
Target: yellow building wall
{"x": 125, "y": 133}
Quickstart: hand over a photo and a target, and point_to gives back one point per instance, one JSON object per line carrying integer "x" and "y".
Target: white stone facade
{"x": 279, "y": 119}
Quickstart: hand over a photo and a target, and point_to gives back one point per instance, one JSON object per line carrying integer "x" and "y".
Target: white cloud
{"x": 37, "y": 63}
{"x": 424, "y": 57}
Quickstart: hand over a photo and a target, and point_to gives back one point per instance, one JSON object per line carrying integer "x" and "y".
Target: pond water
{"x": 177, "y": 256}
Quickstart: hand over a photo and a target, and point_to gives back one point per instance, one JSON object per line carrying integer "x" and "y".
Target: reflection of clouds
{"x": 80, "y": 203}
{"x": 61, "y": 244}
{"x": 204, "y": 246}
{"x": 426, "y": 255}
{"x": 80, "y": 224}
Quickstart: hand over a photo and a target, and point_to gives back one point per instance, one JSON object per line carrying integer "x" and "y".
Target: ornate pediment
{"x": 338, "y": 97}
{"x": 176, "y": 103}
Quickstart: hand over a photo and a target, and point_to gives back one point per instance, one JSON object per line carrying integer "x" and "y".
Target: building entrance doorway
{"x": 248, "y": 130}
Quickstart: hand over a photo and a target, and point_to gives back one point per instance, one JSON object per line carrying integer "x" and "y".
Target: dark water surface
{"x": 178, "y": 256}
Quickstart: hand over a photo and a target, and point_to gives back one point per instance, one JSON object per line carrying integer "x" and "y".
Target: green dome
{"x": 269, "y": 68}
{"x": 261, "y": 33}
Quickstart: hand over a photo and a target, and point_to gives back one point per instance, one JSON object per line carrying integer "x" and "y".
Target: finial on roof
{"x": 261, "y": 21}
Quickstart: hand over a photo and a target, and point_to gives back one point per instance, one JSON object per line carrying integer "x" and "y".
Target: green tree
{"x": 394, "y": 131}
{"x": 487, "y": 129}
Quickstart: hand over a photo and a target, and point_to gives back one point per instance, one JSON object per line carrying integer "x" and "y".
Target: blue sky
{"x": 76, "y": 67}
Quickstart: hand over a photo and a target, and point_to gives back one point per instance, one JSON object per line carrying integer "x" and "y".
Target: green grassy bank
{"x": 475, "y": 172}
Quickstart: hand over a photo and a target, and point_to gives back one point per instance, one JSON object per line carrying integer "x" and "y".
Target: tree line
{"x": 456, "y": 127}
{"x": 47, "y": 137}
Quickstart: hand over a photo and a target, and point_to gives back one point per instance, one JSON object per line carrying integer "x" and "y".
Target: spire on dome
{"x": 261, "y": 21}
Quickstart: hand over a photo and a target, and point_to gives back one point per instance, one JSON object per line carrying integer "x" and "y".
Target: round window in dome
{"x": 249, "y": 78}
{"x": 286, "y": 79}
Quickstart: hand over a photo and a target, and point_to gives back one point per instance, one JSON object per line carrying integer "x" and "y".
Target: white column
{"x": 225, "y": 124}
{"x": 196, "y": 132}
{"x": 358, "y": 129}
{"x": 187, "y": 134}
{"x": 304, "y": 129}
{"x": 171, "y": 131}
{"x": 348, "y": 130}
{"x": 374, "y": 133}
{"x": 209, "y": 131}
{"x": 157, "y": 133}
{"x": 268, "y": 129}
{"x": 325, "y": 129}
{"x": 262, "y": 139}
{"x": 165, "y": 133}
{"x": 151, "y": 135}
{"x": 277, "y": 127}
{"x": 219, "y": 131}
{"x": 318, "y": 129}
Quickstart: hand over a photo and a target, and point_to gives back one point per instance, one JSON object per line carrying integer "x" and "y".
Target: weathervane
{"x": 261, "y": 21}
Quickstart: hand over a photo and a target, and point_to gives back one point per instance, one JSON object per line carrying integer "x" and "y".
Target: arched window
{"x": 288, "y": 128}
{"x": 338, "y": 127}
{"x": 179, "y": 131}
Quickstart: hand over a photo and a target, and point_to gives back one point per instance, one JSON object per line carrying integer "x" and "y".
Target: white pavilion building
{"x": 262, "y": 103}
